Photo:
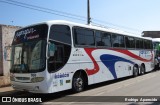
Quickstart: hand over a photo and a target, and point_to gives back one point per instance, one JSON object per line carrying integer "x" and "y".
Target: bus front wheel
{"x": 78, "y": 82}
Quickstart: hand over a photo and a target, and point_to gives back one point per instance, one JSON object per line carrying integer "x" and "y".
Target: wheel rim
{"x": 142, "y": 70}
{"x": 135, "y": 71}
{"x": 78, "y": 84}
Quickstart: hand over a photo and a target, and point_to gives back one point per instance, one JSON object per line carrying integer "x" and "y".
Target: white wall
{"x": 7, "y": 37}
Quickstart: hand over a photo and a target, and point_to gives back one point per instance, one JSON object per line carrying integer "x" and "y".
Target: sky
{"x": 133, "y": 16}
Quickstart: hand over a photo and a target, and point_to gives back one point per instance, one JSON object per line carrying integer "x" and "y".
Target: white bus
{"x": 156, "y": 46}
{"x": 58, "y": 55}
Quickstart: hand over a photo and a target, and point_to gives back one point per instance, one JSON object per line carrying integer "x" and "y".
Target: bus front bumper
{"x": 40, "y": 87}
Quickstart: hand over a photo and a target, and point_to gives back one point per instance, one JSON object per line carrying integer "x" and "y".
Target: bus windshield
{"x": 28, "y": 50}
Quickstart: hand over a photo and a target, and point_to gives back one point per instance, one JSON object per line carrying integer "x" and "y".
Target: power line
{"x": 121, "y": 28}
{"x": 45, "y": 11}
{"x": 63, "y": 14}
{"x": 124, "y": 27}
{"x": 115, "y": 28}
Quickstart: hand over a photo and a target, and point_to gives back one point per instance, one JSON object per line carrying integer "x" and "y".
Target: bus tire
{"x": 78, "y": 82}
{"x": 135, "y": 71}
{"x": 142, "y": 69}
{"x": 157, "y": 67}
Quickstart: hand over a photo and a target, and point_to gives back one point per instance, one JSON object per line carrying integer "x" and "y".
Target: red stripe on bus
{"x": 133, "y": 55}
{"x": 96, "y": 67}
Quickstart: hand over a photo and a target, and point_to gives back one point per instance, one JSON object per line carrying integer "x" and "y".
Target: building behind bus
{"x": 6, "y": 37}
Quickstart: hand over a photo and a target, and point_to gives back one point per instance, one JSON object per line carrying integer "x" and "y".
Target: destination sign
{"x": 30, "y": 33}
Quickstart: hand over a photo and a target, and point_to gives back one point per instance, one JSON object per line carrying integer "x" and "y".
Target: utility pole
{"x": 88, "y": 13}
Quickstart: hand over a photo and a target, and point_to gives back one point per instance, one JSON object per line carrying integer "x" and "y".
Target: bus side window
{"x": 56, "y": 61}
{"x": 118, "y": 40}
{"x": 60, "y": 57}
{"x": 60, "y": 38}
{"x": 130, "y": 42}
{"x": 83, "y": 37}
{"x": 139, "y": 43}
{"x": 103, "y": 39}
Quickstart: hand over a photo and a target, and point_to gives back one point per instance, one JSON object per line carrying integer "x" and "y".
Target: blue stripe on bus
{"x": 110, "y": 60}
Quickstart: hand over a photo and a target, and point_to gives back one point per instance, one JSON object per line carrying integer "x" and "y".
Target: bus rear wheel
{"x": 142, "y": 70}
{"x": 78, "y": 83}
{"x": 135, "y": 71}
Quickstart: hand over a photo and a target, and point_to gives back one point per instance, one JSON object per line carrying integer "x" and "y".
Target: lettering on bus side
{"x": 63, "y": 75}
{"x": 144, "y": 53}
{"x": 77, "y": 52}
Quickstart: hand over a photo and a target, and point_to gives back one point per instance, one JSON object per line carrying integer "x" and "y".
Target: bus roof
{"x": 51, "y": 22}
{"x": 156, "y": 39}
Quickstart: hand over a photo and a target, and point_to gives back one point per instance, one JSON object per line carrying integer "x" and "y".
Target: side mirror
{"x": 51, "y": 49}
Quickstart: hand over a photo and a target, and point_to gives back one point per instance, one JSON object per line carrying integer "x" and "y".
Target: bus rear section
{"x": 108, "y": 55}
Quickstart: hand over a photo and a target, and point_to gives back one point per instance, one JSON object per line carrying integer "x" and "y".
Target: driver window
{"x": 56, "y": 60}
{"x": 60, "y": 43}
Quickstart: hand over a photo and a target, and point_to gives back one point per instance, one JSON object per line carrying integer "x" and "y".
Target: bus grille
{"x": 22, "y": 78}
{"x": 20, "y": 87}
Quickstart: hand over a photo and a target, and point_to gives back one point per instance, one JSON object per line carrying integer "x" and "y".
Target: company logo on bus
{"x": 145, "y": 53}
{"x": 78, "y": 53}
{"x": 63, "y": 75}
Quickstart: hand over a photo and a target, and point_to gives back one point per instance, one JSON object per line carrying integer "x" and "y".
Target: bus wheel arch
{"x": 142, "y": 69}
{"x": 135, "y": 70}
{"x": 79, "y": 81}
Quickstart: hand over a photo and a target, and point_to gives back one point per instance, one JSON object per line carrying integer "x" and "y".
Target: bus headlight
{"x": 12, "y": 78}
{"x": 37, "y": 79}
